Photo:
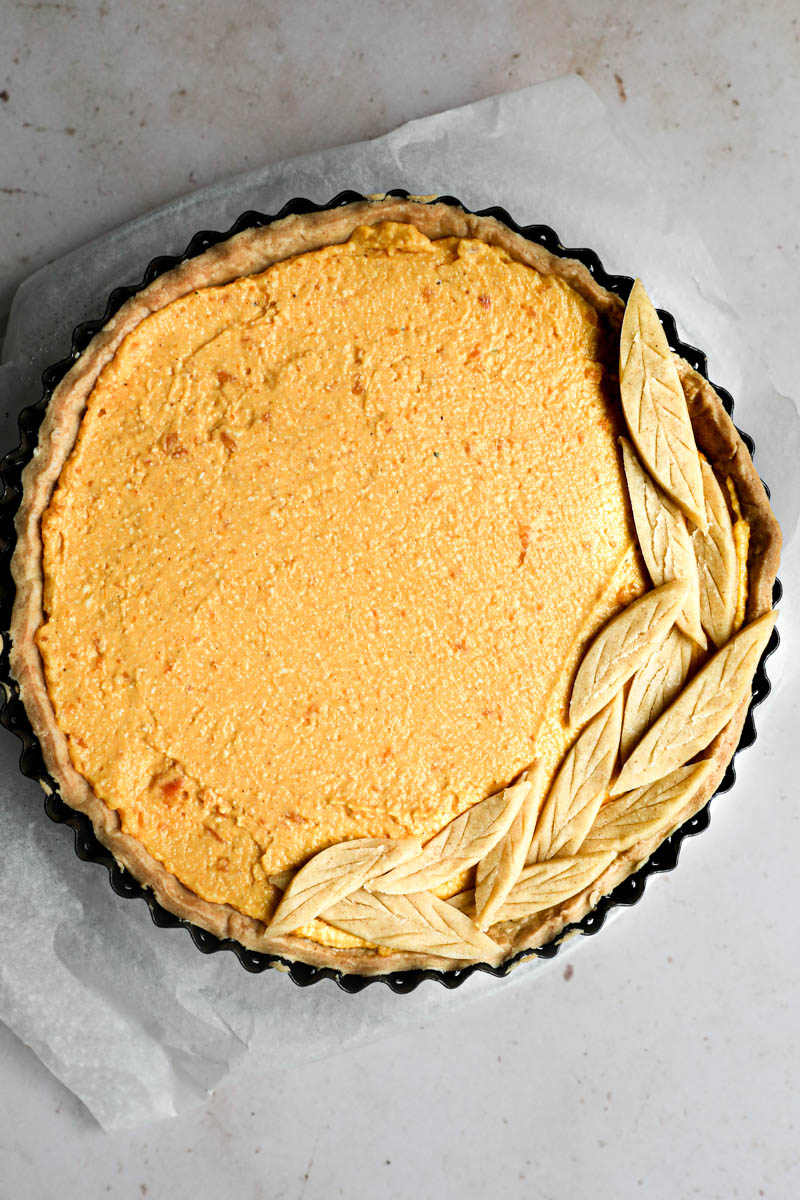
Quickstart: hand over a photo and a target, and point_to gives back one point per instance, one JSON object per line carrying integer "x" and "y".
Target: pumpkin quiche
{"x": 387, "y": 590}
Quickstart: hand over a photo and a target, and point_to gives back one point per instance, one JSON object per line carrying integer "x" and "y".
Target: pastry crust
{"x": 247, "y": 253}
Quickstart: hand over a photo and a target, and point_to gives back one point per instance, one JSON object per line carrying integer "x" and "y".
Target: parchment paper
{"x": 135, "y": 1020}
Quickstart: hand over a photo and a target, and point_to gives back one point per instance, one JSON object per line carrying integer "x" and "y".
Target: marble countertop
{"x": 662, "y": 1060}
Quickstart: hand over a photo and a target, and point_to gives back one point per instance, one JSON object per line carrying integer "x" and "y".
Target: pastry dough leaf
{"x": 546, "y": 884}
{"x": 655, "y": 684}
{"x": 622, "y": 646}
{"x": 415, "y": 922}
{"x": 655, "y": 406}
{"x": 499, "y": 870}
{"x": 717, "y": 563}
{"x": 639, "y": 814}
{"x": 579, "y": 788}
{"x": 701, "y": 710}
{"x": 664, "y": 541}
{"x": 333, "y": 874}
{"x": 462, "y": 843}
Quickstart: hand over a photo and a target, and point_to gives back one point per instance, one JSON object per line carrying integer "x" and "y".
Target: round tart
{"x": 387, "y": 591}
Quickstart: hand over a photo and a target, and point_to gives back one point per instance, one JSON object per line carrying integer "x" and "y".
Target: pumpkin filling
{"x": 323, "y": 559}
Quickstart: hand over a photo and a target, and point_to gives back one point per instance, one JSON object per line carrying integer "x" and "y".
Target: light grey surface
{"x": 168, "y": 1025}
{"x": 677, "y": 1073}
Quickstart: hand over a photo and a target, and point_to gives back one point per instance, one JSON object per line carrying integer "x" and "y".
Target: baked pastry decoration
{"x": 387, "y": 591}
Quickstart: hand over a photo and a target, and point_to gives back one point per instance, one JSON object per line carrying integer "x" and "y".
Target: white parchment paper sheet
{"x": 133, "y": 1019}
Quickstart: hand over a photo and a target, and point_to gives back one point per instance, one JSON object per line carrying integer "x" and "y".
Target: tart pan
{"x": 14, "y": 717}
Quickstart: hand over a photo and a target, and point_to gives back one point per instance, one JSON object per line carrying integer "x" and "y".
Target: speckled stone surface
{"x": 662, "y": 1061}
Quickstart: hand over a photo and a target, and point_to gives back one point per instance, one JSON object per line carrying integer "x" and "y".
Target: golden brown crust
{"x": 250, "y": 252}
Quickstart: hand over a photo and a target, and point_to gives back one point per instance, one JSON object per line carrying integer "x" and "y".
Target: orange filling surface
{"x": 326, "y": 550}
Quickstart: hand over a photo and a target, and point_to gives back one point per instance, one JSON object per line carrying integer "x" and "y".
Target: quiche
{"x": 387, "y": 590}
